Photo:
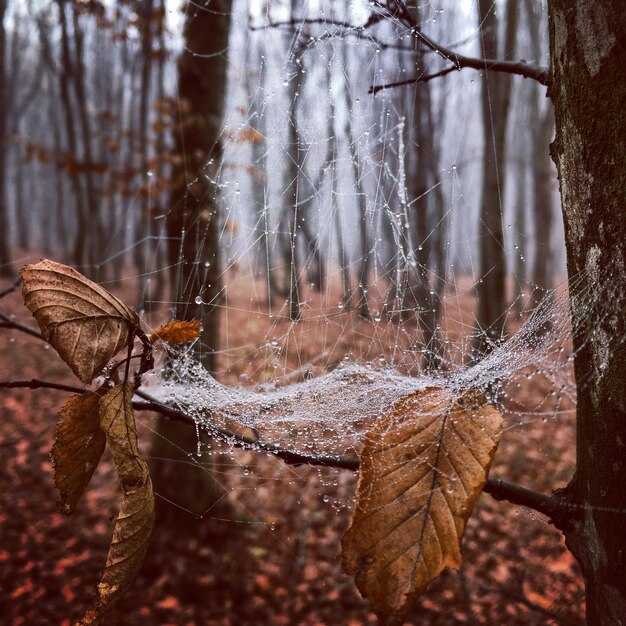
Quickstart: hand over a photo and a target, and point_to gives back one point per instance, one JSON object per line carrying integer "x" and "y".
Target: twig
{"x": 521, "y": 68}
{"x": 553, "y": 506}
{"x": 11, "y": 289}
{"x": 374, "y": 89}
{"x": 347, "y": 26}
{"x": 12, "y": 324}
{"x": 35, "y": 383}
{"x": 460, "y": 61}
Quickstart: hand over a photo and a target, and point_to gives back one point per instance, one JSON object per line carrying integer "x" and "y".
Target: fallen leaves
{"x": 421, "y": 470}
{"x": 82, "y": 321}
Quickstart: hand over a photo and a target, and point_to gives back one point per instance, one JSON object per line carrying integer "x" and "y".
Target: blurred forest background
{"x": 251, "y": 163}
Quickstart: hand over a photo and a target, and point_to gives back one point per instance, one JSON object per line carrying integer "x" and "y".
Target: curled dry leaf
{"x": 77, "y": 448}
{"x": 129, "y": 544}
{"x": 177, "y": 332}
{"x": 82, "y": 321}
{"x": 133, "y": 525}
{"x": 421, "y": 470}
{"x": 117, "y": 420}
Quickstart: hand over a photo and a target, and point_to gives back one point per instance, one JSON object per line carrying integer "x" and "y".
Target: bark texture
{"x": 589, "y": 93}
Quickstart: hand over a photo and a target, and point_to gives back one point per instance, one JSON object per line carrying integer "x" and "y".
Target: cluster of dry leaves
{"x": 88, "y": 326}
{"x": 422, "y": 467}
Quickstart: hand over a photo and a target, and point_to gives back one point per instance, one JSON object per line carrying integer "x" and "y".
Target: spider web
{"x": 300, "y": 122}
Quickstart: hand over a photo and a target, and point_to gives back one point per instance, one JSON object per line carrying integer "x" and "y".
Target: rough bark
{"x": 589, "y": 95}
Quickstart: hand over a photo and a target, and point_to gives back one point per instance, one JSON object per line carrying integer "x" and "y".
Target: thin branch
{"x": 521, "y": 68}
{"x": 11, "y": 289}
{"x": 460, "y": 61}
{"x": 374, "y": 89}
{"x": 12, "y": 324}
{"x": 347, "y": 26}
{"x": 35, "y": 383}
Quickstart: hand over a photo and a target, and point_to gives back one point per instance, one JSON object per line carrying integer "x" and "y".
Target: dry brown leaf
{"x": 129, "y": 544}
{"x": 177, "y": 332}
{"x": 133, "y": 525}
{"x": 77, "y": 449}
{"x": 117, "y": 420}
{"x": 421, "y": 470}
{"x": 82, "y": 321}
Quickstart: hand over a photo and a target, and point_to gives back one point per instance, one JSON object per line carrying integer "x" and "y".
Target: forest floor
{"x": 271, "y": 555}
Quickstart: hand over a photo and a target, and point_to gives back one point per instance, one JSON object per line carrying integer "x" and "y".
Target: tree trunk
{"x": 193, "y": 226}
{"x": 65, "y": 74}
{"x": 291, "y": 190}
{"x": 496, "y": 91}
{"x": 542, "y": 207}
{"x": 6, "y": 268}
{"x": 336, "y": 209}
{"x": 542, "y": 121}
{"x": 193, "y": 229}
{"x": 589, "y": 95}
{"x": 143, "y": 217}
{"x": 93, "y": 225}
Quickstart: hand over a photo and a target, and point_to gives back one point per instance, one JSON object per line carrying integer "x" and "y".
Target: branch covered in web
{"x": 397, "y": 10}
{"x": 550, "y": 505}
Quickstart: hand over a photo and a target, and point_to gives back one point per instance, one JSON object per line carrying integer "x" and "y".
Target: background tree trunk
{"x": 589, "y": 95}
{"x": 193, "y": 224}
{"x": 193, "y": 227}
{"x": 496, "y": 92}
{"x": 6, "y": 268}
